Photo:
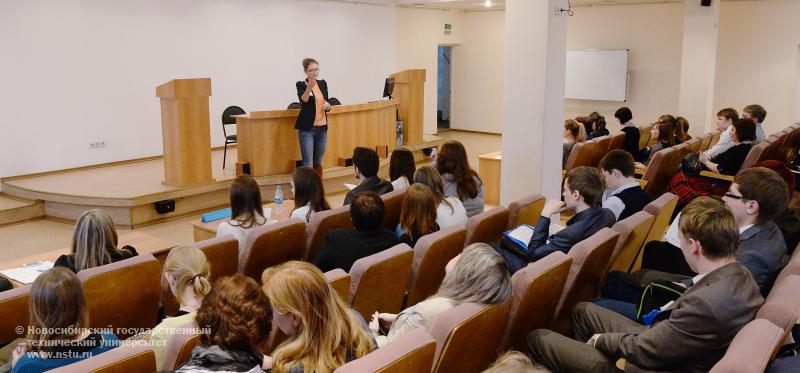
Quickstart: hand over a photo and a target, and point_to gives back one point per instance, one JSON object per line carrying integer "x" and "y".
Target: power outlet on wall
{"x": 97, "y": 145}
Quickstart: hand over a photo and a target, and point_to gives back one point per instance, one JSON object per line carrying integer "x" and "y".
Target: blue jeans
{"x": 312, "y": 145}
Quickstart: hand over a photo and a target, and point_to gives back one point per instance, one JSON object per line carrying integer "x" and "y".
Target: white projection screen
{"x": 597, "y": 74}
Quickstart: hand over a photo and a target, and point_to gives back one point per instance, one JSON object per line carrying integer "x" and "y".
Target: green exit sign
{"x": 448, "y": 29}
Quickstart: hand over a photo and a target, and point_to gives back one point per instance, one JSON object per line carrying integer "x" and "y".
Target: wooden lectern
{"x": 409, "y": 91}
{"x": 186, "y": 130}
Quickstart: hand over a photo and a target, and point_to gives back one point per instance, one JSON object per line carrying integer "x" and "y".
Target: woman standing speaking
{"x": 312, "y": 122}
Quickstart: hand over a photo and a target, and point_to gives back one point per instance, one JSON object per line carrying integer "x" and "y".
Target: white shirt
{"x": 232, "y": 228}
{"x": 671, "y": 236}
{"x": 302, "y": 213}
{"x": 614, "y": 203}
{"x": 722, "y": 145}
{"x": 447, "y": 216}
{"x": 400, "y": 183}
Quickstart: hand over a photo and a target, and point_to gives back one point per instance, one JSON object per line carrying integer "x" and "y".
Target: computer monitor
{"x": 388, "y": 87}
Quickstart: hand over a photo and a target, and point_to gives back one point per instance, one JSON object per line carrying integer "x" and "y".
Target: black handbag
{"x": 690, "y": 165}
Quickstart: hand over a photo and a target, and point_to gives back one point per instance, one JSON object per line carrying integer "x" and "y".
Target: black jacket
{"x": 579, "y": 227}
{"x": 68, "y": 260}
{"x": 372, "y": 184}
{"x": 631, "y": 144}
{"x": 342, "y": 247}
{"x": 308, "y": 109}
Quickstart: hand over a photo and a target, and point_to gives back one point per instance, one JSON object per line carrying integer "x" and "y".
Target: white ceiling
{"x": 496, "y": 4}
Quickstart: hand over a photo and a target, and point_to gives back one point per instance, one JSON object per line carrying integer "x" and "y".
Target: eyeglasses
{"x": 736, "y": 197}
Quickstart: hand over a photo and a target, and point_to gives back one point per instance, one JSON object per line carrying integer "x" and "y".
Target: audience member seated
{"x": 755, "y": 198}
{"x": 234, "y": 319}
{"x": 59, "y": 332}
{"x": 185, "y": 276}
{"x": 683, "y": 123}
{"x": 690, "y": 334}
{"x": 94, "y": 243}
{"x": 623, "y": 195}
{"x": 687, "y": 188}
{"x": 323, "y": 333}
{"x": 662, "y": 133}
{"x": 342, "y": 247}
{"x": 598, "y": 126}
{"x": 583, "y": 193}
{"x": 789, "y": 153}
{"x": 459, "y": 180}
{"x": 401, "y": 168}
{"x": 247, "y": 212}
{"x": 478, "y": 275}
{"x": 588, "y": 126}
{"x": 418, "y": 215}
{"x": 677, "y": 129}
{"x": 757, "y": 114}
{"x": 725, "y": 118}
{"x": 573, "y": 134}
{"x": 366, "y": 164}
{"x": 5, "y": 284}
{"x": 631, "y": 144}
{"x": 309, "y": 194}
{"x": 450, "y": 210}
{"x": 516, "y": 362}
{"x": 787, "y": 219}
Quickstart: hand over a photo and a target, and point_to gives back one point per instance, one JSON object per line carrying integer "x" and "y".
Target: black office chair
{"x": 334, "y": 101}
{"x": 294, "y": 106}
{"x": 227, "y": 120}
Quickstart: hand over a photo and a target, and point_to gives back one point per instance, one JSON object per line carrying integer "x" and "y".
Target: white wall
{"x": 653, "y": 33}
{"x": 79, "y": 71}
{"x": 478, "y": 66}
{"x": 419, "y": 34}
{"x": 757, "y": 58}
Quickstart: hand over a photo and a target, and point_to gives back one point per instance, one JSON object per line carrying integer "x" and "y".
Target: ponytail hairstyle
{"x": 188, "y": 267}
{"x": 307, "y": 62}
{"x": 578, "y": 131}
{"x": 598, "y": 121}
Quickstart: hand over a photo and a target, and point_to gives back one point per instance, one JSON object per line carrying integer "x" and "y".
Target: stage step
{"x": 15, "y": 210}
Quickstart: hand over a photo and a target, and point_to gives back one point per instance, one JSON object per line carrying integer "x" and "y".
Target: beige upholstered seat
{"x": 644, "y": 135}
{"x": 590, "y": 259}
{"x": 661, "y": 208}
{"x": 467, "y": 337}
{"x": 340, "y": 282}
{"x": 600, "y": 150}
{"x": 431, "y": 254}
{"x": 694, "y": 145}
{"x": 137, "y": 281}
{"x": 714, "y": 138}
{"x": 661, "y": 169}
{"x": 379, "y": 281}
{"x": 271, "y": 245}
{"x": 487, "y": 226}
{"x": 222, "y": 254}
{"x": 536, "y": 291}
{"x": 752, "y": 348}
{"x": 123, "y": 359}
{"x": 581, "y": 155}
{"x": 14, "y": 313}
{"x": 319, "y": 226}
{"x": 393, "y": 204}
{"x": 791, "y": 268}
{"x": 525, "y": 211}
{"x": 617, "y": 140}
{"x": 411, "y": 352}
{"x": 179, "y": 348}
{"x": 782, "y": 306}
{"x": 635, "y": 229}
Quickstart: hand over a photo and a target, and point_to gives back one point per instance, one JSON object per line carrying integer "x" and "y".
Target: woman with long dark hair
{"x": 449, "y": 211}
{"x": 309, "y": 194}
{"x": 459, "y": 180}
{"x": 401, "y": 168}
{"x": 246, "y": 210}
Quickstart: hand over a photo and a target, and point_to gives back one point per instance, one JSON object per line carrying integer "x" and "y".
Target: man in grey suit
{"x": 690, "y": 334}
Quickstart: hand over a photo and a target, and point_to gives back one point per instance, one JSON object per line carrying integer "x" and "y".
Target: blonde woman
{"x": 185, "y": 276}
{"x": 573, "y": 134}
{"x": 514, "y": 362}
{"x": 59, "y": 325}
{"x": 478, "y": 275}
{"x": 94, "y": 243}
{"x": 323, "y": 332}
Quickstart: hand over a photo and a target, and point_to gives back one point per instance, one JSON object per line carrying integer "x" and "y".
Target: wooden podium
{"x": 409, "y": 91}
{"x": 186, "y": 130}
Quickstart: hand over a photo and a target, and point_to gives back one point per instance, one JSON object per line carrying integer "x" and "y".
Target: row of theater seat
{"x": 662, "y": 167}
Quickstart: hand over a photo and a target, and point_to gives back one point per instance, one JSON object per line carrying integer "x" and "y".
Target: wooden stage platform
{"x": 128, "y": 190}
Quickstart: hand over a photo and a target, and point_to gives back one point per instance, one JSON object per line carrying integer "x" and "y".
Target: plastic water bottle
{"x": 278, "y": 195}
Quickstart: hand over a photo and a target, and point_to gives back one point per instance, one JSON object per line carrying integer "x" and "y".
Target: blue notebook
{"x": 216, "y": 215}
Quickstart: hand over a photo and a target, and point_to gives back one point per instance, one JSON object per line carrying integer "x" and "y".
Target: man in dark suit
{"x": 366, "y": 164}
{"x": 342, "y": 247}
{"x": 583, "y": 193}
{"x": 690, "y": 334}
